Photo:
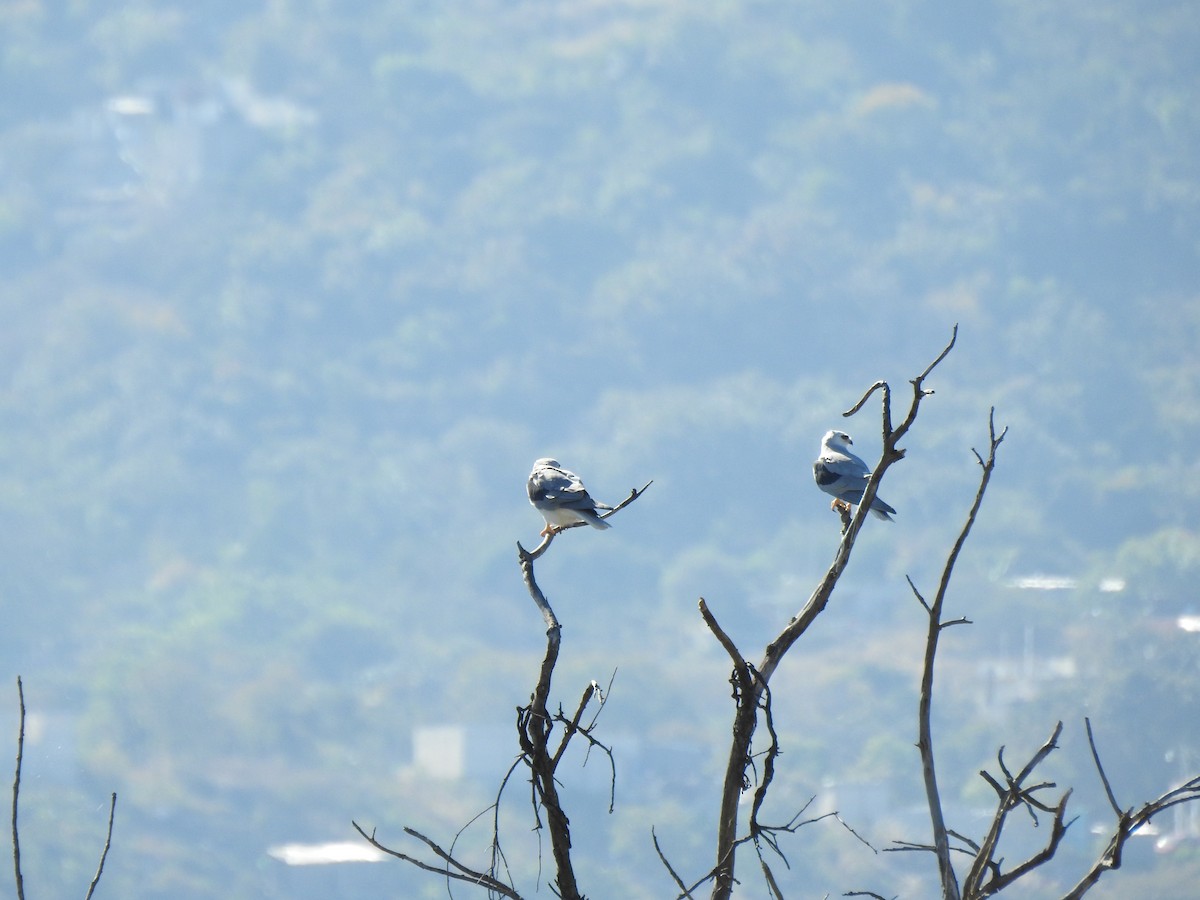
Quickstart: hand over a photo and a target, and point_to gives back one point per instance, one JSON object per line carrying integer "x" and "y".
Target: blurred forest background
{"x": 295, "y": 292}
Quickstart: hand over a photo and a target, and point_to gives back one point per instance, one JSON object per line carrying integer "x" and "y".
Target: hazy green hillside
{"x": 295, "y": 293}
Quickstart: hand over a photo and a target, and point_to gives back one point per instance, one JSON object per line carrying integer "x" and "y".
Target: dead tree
{"x": 541, "y": 753}
{"x": 986, "y": 874}
{"x": 751, "y": 693}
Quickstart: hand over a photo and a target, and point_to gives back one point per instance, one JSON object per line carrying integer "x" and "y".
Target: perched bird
{"x": 561, "y": 498}
{"x": 843, "y": 475}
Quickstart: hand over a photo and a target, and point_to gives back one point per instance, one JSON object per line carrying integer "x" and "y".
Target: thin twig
{"x": 1128, "y": 822}
{"x": 497, "y": 851}
{"x": 112, "y": 811}
{"x": 941, "y": 837}
{"x": 1112, "y": 798}
{"x": 723, "y": 639}
{"x": 917, "y": 594}
{"x": 16, "y": 792}
{"x": 865, "y": 397}
{"x": 671, "y": 869}
{"x": 462, "y": 874}
{"x": 572, "y": 726}
{"x": 586, "y": 733}
{"x": 918, "y": 384}
{"x": 554, "y": 530}
{"x": 1010, "y": 796}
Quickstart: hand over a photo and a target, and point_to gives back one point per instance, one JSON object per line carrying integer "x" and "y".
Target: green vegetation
{"x": 295, "y": 293}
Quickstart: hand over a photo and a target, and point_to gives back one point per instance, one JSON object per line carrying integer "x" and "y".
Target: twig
{"x": 112, "y": 811}
{"x": 558, "y": 529}
{"x": 463, "y": 873}
{"x": 747, "y": 707}
{"x": 941, "y": 837}
{"x": 719, "y": 633}
{"x": 16, "y": 792}
{"x": 1009, "y": 796}
{"x": 534, "y": 726}
{"x": 572, "y": 725}
{"x": 535, "y": 723}
{"x": 760, "y": 793}
{"x": 1108, "y": 791}
{"x": 671, "y": 869}
{"x": 497, "y": 851}
{"x": 16, "y": 837}
{"x": 526, "y": 559}
{"x": 879, "y": 385}
{"x": 586, "y": 732}
{"x": 1128, "y": 822}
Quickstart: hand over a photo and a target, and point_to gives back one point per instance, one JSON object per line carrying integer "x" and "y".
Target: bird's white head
{"x": 836, "y": 440}
{"x": 547, "y": 461}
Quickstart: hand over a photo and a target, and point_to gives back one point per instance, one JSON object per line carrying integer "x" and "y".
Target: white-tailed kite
{"x": 843, "y": 475}
{"x": 561, "y": 498}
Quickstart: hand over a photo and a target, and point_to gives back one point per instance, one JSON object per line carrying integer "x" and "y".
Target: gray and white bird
{"x": 842, "y": 475}
{"x": 561, "y": 498}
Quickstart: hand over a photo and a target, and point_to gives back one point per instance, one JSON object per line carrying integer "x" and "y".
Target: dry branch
{"x": 451, "y": 867}
{"x": 16, "y": 793}
{"x": 535, "y": 722}
{"x": 933, "y": 610}
{"x": 749, "y": 689}
{"x": 1128, "y": 821}
{"x": 1011, "y": 794}
{"x": 535, "y": 726}
{"x": 112, "y": 812}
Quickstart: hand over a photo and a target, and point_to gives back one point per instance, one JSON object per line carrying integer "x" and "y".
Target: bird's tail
{"x": 881, "y": 510}
{"x": 594, "y": 520}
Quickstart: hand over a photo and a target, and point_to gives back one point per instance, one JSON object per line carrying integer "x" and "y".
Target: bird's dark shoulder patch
{"x": 823, "y": 474}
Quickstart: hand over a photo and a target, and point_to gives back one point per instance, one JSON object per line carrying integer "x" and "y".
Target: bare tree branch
{"x": 941, "y": 837}
{"x": 722, "y": 638}
{"x": 879, "y": 385}
{"x": 112, "y": 812}
{"x": 1014, "y": 793}
{"x": 497, "y": 849}
{"x": 16, "y": 792}
{"x": 1108, "y": 791}
{"x": 571, "y": 729}
{"x": 760, "y": 793}
{"x": 535, "y": 725}
{"x": 452, "y": 868}
{"x": 1128, "y": 822}
{"x": 748, "y": 698}
{"x": 572, "y": 725}
{"x": 686, "y": 892}
{"x": 745, "y": 720}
